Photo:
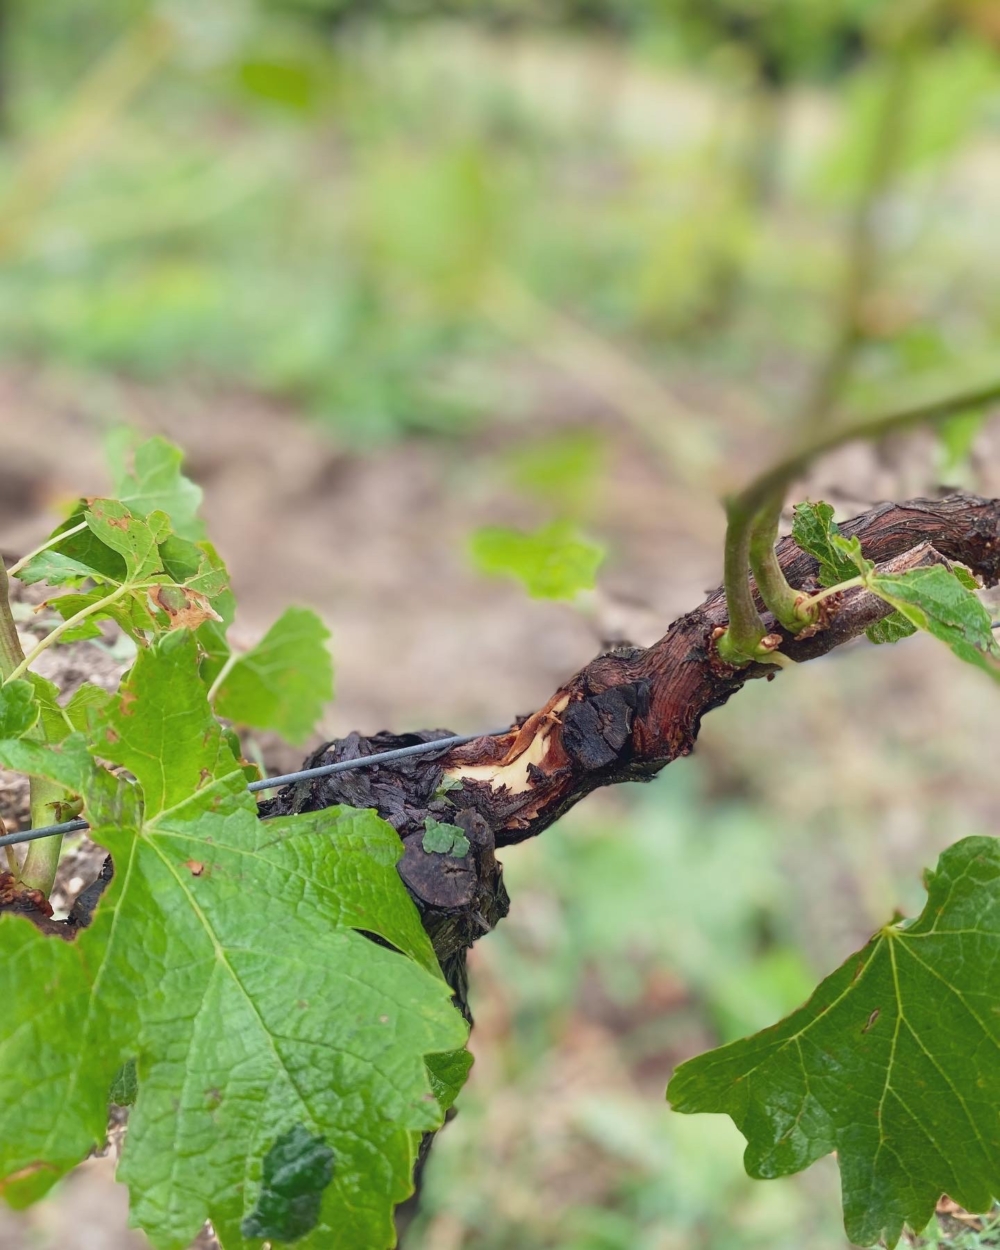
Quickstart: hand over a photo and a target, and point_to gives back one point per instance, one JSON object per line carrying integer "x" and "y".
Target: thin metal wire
{"x": 305, "y": 774}
{"x": 272, "y": 783}
{"x": 47, "y": 831}
{"x": 381, "y": 757}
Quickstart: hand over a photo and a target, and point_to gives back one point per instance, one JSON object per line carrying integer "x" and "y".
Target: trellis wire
{"x": 272, "y": 783}
{"x": 305, "y": 774}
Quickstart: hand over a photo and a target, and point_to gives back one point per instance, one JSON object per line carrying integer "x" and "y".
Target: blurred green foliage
{"x": 555, "y": 562}
{"x": 984, "y": 1233}
{"x": 692, "y": 888}
{"x": 328, "y": 210}
{"x": 562, "y": 470}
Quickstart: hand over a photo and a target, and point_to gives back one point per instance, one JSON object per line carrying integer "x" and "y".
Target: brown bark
{"x": 623, "y": 717}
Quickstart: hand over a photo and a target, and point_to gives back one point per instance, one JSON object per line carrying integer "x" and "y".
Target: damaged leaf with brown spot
{"x": 186, "y": 608}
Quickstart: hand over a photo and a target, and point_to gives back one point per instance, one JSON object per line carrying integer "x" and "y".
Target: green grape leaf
{"x": 85, "y": 706}
{"x": 125, "y": 1085}
{"x": 130, "y": 610}
{"x": 894, "y": 1063}
{"x": 965, "y": 576}
{"x": 116, "y": 550}
{"x": 56, "y": 569}
{"x": 226, "y": 959}
{"x": 67, "y": 763}
{"x": 152, "y": 489}
{"x": 84, "y": 631}
{"x": 936, "y": 600}
{"x": 155, "y": 483}
{"x": 553, "y": 563}
{"x": 850, "y": 550}
{"x": 19, "y": 708}
{"x": 148, "y": 580}
{"x": 136, "y": 540}
{"x": 55, "y": 722}
{"x": 816, "y": 532}
{"x": 890, "y": 628}
{"x": 200, "y": 567}
{"x": 448, "y": 1073}
{"x": 197, "y": 566}
{"x": 284, "y": 682}
{"x": 76, "y": 556}
{"x": 297, "y": 1169}
{"x": 443, "y": 839}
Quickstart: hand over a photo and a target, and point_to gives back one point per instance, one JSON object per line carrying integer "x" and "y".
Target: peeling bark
{"x": 623, "y": 717}
{"x": 630, "y": 712}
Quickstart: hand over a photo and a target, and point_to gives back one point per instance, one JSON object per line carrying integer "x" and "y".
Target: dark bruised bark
{"x": 31, "y": 903}
{"x": 630, "y": 712}
{"x": 623, "y": 717}
{"x": 627, "y": 715}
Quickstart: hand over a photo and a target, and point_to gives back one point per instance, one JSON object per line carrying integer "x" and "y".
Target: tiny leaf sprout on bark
{"x": 753, "y": 517}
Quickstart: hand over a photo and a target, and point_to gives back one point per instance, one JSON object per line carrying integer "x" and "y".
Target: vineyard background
{"x": 390, "y": 280}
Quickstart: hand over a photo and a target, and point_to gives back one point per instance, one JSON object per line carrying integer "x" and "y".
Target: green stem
{"x": 741, "y": 641}
{"x": 42, "y": 860}
{"x": 39, "y": 869}
{"x": 780, "y": 476}
{"x": 68, "y": 624}
{"x": 230, "y": 662}
{"x": 56, "y": 538}
{"x": 752, "y": 513}
{"x": 11, "y": 654}
{"x": 784, "y": 602}
{"x": 814, "y": 600}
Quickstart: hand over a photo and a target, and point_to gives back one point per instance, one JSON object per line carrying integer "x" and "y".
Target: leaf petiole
{"x": 11, "y": 654}
{"x": 52, "y": 542}
{"x": 782, "y": 600}
{"x": 231, "y": 660}
{"x": 68, "y": 624}
{"x": 806, "y": 605}
{"x": 43, "y": 856}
